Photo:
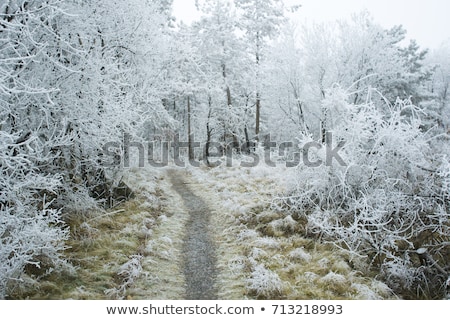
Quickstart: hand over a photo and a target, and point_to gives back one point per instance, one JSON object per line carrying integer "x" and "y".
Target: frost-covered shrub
{"x": 28, "y": 239}
{"x": 390, "y": 198}
{"x": 32, "y": 233}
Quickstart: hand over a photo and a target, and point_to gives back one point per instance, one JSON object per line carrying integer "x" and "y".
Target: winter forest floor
{"x": 204, "y": 233}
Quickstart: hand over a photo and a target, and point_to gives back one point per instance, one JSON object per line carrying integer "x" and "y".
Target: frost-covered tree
{"x": 261, "y": 21}
{"x": 223, "y": 65}
{"x": 184, "y": 78}
{"x": 31, "y": 231}
{"x": 359, "y": 55}
{"x": 439, "y": 87}
{"x": 71, "y": 80}
{"x": 113, "y": 91}
{"x": 286, "y": 88}
{"x": 356, "y": 83}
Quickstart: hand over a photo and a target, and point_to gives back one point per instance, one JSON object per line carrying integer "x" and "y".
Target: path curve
{"x": 198, "y": 248}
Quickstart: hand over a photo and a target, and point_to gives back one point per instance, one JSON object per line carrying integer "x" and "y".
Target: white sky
{"x": 427, "y": 21}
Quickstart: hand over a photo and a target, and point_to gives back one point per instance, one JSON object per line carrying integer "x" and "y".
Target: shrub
{"x": 389, "y": 200}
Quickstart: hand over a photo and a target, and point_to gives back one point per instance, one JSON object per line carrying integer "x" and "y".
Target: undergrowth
{"x": 274, "y": 257}
{"x": 100, "y": 244}
{"x": 106, "y": 249}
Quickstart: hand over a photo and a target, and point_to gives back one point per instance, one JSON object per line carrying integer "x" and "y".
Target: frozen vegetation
{"x": 308, "y": 162}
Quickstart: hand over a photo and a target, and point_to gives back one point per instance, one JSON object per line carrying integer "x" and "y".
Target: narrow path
{"x": 198, "y": 249}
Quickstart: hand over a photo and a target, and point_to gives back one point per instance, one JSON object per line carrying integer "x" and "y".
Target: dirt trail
{"x": 198, "y": 249}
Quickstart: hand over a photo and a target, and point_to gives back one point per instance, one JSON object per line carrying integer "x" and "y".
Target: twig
{"x": 425, "y": 256}
{"x": 106, "y": 214}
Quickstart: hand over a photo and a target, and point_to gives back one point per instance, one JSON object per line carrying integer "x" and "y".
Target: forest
{"x": 332, "y": 136}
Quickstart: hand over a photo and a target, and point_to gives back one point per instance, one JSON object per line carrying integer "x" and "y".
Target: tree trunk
{"x": 229, "y": 105}
{"x": 190, "y": 147}
{"x": 208, "y": 132}
{"x": 258, "y": 114}
{"x": 301, "y": 115}
{"x": 247, "y": 140}
{"x": 258, "y": 96}
{"x": 227, "y": 87}
{"x": 323, "y": 125}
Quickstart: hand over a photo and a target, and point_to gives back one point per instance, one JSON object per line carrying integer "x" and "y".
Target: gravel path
{"x": 198, "y": 249}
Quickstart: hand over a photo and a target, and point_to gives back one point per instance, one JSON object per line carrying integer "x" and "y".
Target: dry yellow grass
{"x": 102, "y": 243}
{"x": 261, "y": 253}
{"x": 255, "y": 238}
